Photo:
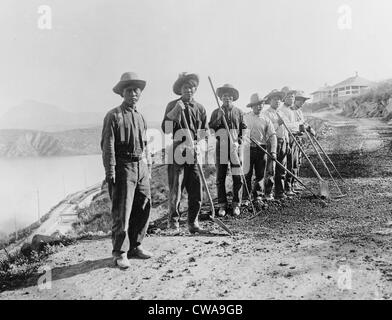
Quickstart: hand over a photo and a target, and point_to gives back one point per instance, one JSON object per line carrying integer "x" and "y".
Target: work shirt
{"x": 123, "y": 135}
{"x": 260, "y": 128}
{"x": 299, "y": 116}
{"x": 281, "y": 132}
{"x": 235, "y": 121}
{"x": 290, "y": 115}
{"x": 196, "y": 117}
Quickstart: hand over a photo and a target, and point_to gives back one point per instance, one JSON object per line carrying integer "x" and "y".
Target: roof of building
{"x": 323, "y": 89}
{"x": 352, "y": 81}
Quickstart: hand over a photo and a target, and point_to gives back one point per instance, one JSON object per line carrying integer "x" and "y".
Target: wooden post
{"x": 38, "y": 206}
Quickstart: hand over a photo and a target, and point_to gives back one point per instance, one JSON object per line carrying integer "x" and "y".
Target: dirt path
{"x": 61, "y": 217}
{"x": 294, "y": 250}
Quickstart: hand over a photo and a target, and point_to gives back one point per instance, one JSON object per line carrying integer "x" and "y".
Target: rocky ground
{"x": 297, "y": 249}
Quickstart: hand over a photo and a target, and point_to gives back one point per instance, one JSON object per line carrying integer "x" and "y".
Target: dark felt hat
{"x": 129, "y": 79}
{"x": 227, "y": 88}
{"x": 184, "y": 78}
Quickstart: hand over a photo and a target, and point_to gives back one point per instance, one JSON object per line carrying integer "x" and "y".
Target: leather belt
{"x": 131, "y": 157}
{"x": 257, "y": 148}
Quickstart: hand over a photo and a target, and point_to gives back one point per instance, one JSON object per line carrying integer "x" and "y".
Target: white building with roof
{"x": 343, "y": 90}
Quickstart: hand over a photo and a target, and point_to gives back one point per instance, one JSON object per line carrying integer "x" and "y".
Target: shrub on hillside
{"x": 379, "y": 93}
{"x": 95, "y": 217}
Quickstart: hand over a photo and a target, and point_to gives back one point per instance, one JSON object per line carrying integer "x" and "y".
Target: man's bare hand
{"x": 180, "y": 104}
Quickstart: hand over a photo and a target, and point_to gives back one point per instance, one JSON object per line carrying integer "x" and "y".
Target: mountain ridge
{"x": 34, "y": 115}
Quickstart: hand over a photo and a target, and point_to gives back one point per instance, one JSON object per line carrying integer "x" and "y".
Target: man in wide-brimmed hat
{"x": 261, "y": 129}
{"x": 182, "y": 167}
{"x": 300, "y": 99}
{"x": 294, "y": 127}
{"x": 225, "y": 152}
{"x": 127, "y": 168}
{"x": 274, "y": 99}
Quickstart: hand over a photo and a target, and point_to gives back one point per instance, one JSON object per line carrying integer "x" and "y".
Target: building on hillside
{"x": 322, "y": 94}
{"x": 343, "y": 90}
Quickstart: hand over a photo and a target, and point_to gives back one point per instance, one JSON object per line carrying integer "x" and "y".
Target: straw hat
{"x": 301, "y": 96}
{"x": 255, "y": 99}
{"x": 274, "y": 93}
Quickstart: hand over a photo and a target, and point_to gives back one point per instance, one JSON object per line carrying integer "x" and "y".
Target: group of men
{"x": 239, "y": 137}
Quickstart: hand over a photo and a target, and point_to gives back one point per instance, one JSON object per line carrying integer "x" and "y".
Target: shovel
{"x": 203, "y": 178}
{"x": 324, "y": 189}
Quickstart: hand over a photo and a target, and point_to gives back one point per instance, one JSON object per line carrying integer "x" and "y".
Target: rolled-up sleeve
{"x": 271, "y": 135}
{"x": 107, "y": 144}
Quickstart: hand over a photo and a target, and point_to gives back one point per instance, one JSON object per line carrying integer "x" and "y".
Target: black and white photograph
{"x": 208, "y": 151}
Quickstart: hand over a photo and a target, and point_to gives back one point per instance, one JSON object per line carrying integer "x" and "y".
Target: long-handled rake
{"x": 325, "y": 165}
{"x": 203, "y": 178}
{"x": 330, "y": 161}
{"x": 231, "y": 142}
{"x": 288, "y": 171}
{"x": 324, "y": 189}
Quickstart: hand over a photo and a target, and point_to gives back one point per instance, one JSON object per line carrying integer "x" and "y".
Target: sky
{"x": 254, "y": 45}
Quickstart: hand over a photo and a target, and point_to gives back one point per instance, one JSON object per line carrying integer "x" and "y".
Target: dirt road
{"x": 294, "y": 250}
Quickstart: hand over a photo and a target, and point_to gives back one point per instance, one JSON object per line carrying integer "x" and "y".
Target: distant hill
{"x": 33, "y": 115}
{"x": 33, "y": 143}
{"x": 30, "y": 143}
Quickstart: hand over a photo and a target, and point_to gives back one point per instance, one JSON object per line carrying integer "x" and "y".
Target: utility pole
{"x": 16, "y": 230}
{"x": 63, "y": 186}
{"x": 85, "y": 177}
{"x": 38, "y": 206}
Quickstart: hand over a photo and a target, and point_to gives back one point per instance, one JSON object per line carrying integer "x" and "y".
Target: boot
{"x": 236, "y": 210}
{"x": 195, "y": 228}
{"x": 280, "y": 196}
{"x": 121, "y": 261}
{"x": 173, "y": 228}
{"x": 269, "y": 197}
{"x": 139, "y": 252}
{"x": 221, "y": 212}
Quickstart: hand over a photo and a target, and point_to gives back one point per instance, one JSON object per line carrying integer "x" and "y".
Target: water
{"x": 29, "y": 183}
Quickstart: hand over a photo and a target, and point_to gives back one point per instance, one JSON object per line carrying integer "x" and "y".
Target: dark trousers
{"x": 293, "y": 158}
{"x": 256, "y": 163}
{"x": 298, "y": 160}
{"x": 184, "y": 176}
{"x": 131, "y": 204}
{"x": 280, "y": 174}
{"x": 222, "y": 165}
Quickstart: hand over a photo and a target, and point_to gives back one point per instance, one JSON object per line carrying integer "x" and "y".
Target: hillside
{"x": 376, "y": 102}
{"x": 30, "y": 143}
{"x": 33, "y": 115}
